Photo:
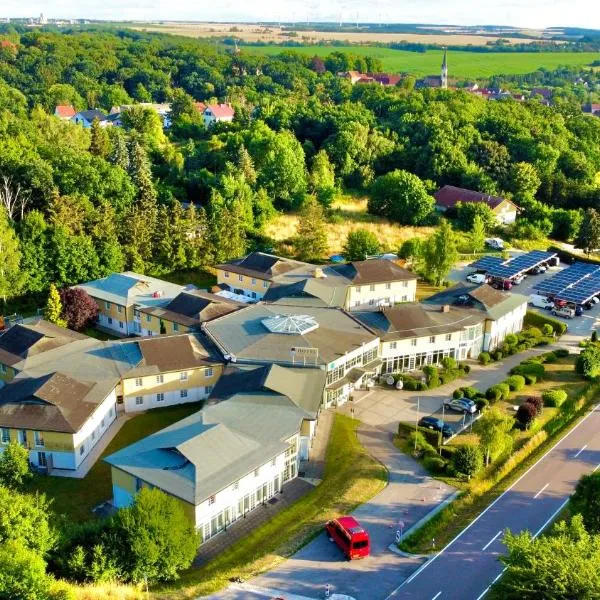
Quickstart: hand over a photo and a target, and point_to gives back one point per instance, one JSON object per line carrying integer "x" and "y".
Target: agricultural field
{"x": 461, "y": 64}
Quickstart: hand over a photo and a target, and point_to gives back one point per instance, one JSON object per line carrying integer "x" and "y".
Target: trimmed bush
{"x": 481, "y": 403}
{"x": 511, "y": 339}
{"x": 496, "y": 355}
{"x": 457, "y": 393}
{"x": 494, "y": 393}
{"x": 529, "y": 379}
{"x": 547, "y": 329}
{"x": 468, "y": 459}
{"x": 505, "y": 390}
{"x": 516, "y": 383}
{"x": 469, "y": 392}
{"x": 449, "y": 363}
{"x": 435, "y": 464}
{"x": 554, "y": 398}
{"x": 447, "y": 451}
{"x": 561, "y": 352}
{"x": 534, "y": 319}
{"x": 432, "y": 438}
{"x": 466, "y": 369}
{"x": 529, "y": 368}
{"x": 526, "y": 413}
{"x": 416, "y": 441}
{"x": 485, "y": 358}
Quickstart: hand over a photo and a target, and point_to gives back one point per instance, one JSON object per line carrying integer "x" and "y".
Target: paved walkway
{"x": 314, "y": 467}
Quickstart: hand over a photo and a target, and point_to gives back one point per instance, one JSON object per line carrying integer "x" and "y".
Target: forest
{"x": 80, "y": 203}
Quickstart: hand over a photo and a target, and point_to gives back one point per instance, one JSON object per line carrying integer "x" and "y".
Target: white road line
{"x": 541, "y": 491}
{"x": 437, "y": 596}
{"x": 433, "y": 558}
{"x": 596, "y": 468}
{"x": 580, "y": 451}
{"x": 489, "y": 587}
{"x": 491, "y": 541}
{"x": 552, "y": 517}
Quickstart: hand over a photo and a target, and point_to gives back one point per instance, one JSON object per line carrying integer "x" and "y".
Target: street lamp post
{"x": 417, "y": 424}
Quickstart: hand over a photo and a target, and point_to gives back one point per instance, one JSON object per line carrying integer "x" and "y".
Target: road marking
{"x": 489, "y": 587}
{"x": 552, "y": 517}
{"x": 435, "y": 556}
{"x": 437, "y": 596}
{"x": 541, "y": 491}
{"x": 580, "y": 451}
{"x": 596, "y": 468}
{"x": 491, "y": 541}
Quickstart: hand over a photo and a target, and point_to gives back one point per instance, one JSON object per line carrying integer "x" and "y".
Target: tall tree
{"x": 54, "y": 308}
{"x": 588, "y": 238}
{"x": 493, "y": 430}
{"x": 586, "y": 501}
{"x": 79, "y": 308}
{"x": 478, "y": 234}
{"x": 322, "y": 178}
{"x": 311, "y": 235}
{"x": 360, "y": 244}
{"x": 14, "y": 465}
{"x": 440, "y": 253}
{"x": 35, "y": 255}
{"x": 119, "y": 154}
{"x": 99, "y": 144}
{"x": 245, "y": 165}
{"x": 11, "y": 279}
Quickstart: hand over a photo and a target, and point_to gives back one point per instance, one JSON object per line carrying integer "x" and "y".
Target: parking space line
{"x": 491, "y": 541}
{"x": 437, "y": 596}
{"x": 541, "y": 491}
{"x": 580, "y": 451}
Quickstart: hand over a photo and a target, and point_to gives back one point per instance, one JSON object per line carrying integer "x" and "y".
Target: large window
{"x": 38, "y": 437}
{"x": 5, "y": 433}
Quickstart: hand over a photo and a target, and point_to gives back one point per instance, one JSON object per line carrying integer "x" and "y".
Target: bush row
{"x": 535, "y": 319}
{"x": 514, "y": 343}
{"x": 434, "y": 376}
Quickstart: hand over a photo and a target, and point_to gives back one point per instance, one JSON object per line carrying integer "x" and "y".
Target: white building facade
{"x": 375, "y": 295}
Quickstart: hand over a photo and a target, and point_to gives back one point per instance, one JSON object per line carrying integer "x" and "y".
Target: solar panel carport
{"x": 578, "y": 283}
{"x": 507, "y": 269}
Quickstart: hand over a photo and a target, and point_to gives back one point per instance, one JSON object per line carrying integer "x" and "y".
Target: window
{"x": 110, "y": 320}
{"x": 371, "y": 302}
{"x": 3, "y": 369}
{"x": 208, "y": 389}
{"x": 94, "y": 435}
{"x": 413, "y": 342}
{"x": 38, "y": 438}
{"x": 81, "y": 449}
{"x": 256, "y": 472}
{"x": 120, "y": 324}
{"x": 160, "y": 379}
{"x": 107, "y": 305}
{"x": 23, "y": 437}
{"x": 208, "y": 372}
{"x": 149, "y": 318}
{"x": 404, "y": 298}
{"x": 183, "y": 393}
{"x": 265, "y": 284}
{"x": 136, "y": 314}
{"x": 212, "y": 500}
{"x": 5, "y": 435}
{"x": 240, "y": 277}
{"x": 432, "y": 339}
{"x": 102, "y": 422}
{"x": 160, "y": 397}
{"x": 138, "y": 382}
{"x": 448, "y": 337}
{"x": 236, "y": 485}
{"x": 139, "y": 400}
{"x": 405, "y": 284}
{"x": 388, "y": 286}
{"x": 253, "y": 281}
{"x": 119, "y": 308}
{"x": 183, "y": 376}
{"x": 175, "y": 326}
{"x": 393, "y": 345}
{"x": 150, "y": 333}
{"x": 358, "y": 289}
{"x": 357, "y": 303}
{"x": 227, "y": 274}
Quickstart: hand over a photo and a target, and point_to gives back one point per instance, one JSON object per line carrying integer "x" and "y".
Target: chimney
{"x": 445, "y": 308}
{"x": 319, "y": 274}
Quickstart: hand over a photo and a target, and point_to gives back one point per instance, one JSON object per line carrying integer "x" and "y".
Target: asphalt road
{"x": 467, "y": 567}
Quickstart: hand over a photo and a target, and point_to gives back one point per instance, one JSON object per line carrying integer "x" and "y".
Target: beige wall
{"x": 370, "y": 296}
{"x": 53, "y": 441}
{"x": 253, "y": 284}
{"x": 154, "y": 324}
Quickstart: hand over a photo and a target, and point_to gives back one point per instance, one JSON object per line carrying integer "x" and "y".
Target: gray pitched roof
{"x": 262, "y": 265}
{"x": 203, "y": 454}
{"x": 376, "y": 270}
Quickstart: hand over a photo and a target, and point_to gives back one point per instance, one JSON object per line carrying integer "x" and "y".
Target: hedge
{"x": 432, "y": 437}
{"x": 529, "y": 368}
{"x": 534, "y": 319}
{"x": 554, "y": 398}
{"x": 435, "y": 464}
{"x": 570, "y": 257}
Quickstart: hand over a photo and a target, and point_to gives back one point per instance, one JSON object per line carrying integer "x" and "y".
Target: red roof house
{"x": 218, "y": 112}
{"x": 200, "y": 106}
{"x": 64, "y": 111}
{"x": 449, "y": 196}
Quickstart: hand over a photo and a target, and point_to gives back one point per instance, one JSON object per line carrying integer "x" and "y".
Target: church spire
{"x": 444, "y": 77}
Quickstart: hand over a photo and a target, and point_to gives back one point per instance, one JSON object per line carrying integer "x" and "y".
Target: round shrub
{"x": 449, "y": 363}
{"x": 504, "y": 348}
{"x": 469, "y": 392}
{"x": 561, "y": 352}
{"x": 457, "y": 393}
{"x": 529, "y": 368}
{"x": 516, "y": 383}
{"x": 494, "y": 393}
{"x": 547, "y": 329}
{"x": 529, "y": 379}
{"x": 526, "y": 413}
{"x": 468, "y": 459}
{"x": 537, "y": 402}
{"x": 497, "y": 355}
{"x": 481, "y": 403}
{"x": 505, "y": 390}
{"x": 485, "y": 358}
{"x": 511, "y": 339}
{"x": 435, "y": 464}
{"x": 466, "y": 368}
{"x": 533, "y": 332}
{"x": 554, "y": 398}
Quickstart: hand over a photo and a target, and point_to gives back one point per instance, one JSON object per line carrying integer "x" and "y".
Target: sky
{"x": 522, "y": 13}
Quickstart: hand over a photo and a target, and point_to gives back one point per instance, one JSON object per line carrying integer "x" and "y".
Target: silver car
{"x": 463, "y": 405}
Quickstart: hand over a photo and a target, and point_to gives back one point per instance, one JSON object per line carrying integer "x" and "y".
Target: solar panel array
{"x": 578, "y": 283}
{"x": 507, "y": 269}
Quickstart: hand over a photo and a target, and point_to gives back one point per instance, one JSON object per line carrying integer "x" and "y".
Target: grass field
{"x": 461, "y": 64}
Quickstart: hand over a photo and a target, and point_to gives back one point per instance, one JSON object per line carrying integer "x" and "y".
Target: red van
{"x": 348, "y": 534}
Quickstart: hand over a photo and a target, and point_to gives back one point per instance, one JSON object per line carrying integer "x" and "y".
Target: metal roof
{"x": 498, "y": 267}
{"x": 578, "y": 283}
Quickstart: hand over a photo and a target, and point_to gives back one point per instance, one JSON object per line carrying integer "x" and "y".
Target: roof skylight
{"x": 290, "y": 324}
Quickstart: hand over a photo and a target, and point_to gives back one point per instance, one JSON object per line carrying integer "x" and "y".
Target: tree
{"x": 467, "y": 459}
{"x": 588, "y": 362}
{"x": 10, "y": 259}
{"x": 311, "y": 236}
{"x": 478, "y": 234}
{"x": 22, "y": 573}
{"x": 467, "y": 212}
{"x": 13, "y": 198}
{"x": 99, "y": 144}
{"x": 54, "y": 309}
{"x": 322, "y": 178}
{"x": 157, "y": 538}
{"x": 586, "y": 501}
{"x": 524, "y": 182}
{"x": 360, "y": 244}
{"x": 79, "y": 308}
{"x": 526, "y": 413}
{"x": 411, "y": 250}
{"x": 440, "y": 253}
{"x": 14, "y": 465}
{"x": 402, "y": 197}
{"x": 588, "y": 238}
{"x": 493, "y": 430}
{"x": 245, "y": 164}
{"x": 562, "y": 565}
{"x": 119, "y": 154}
{"x": 33, "y": 233}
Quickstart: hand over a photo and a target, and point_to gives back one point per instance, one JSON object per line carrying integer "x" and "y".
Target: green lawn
{"x": 462, "y": 64}
{"x": 351, "y": 478}
{"x": 201, "y": 278}
{"x": 75, "y": 498}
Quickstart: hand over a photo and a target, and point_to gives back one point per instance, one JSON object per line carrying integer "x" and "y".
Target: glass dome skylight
{"x": 290, "y": 324}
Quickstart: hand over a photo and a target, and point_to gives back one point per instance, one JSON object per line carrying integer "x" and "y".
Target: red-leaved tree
{"x": 79, "y": 308}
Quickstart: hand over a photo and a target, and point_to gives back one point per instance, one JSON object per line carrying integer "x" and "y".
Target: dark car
{"x": 436, "y": 425}
{"x": 578, "y": 311}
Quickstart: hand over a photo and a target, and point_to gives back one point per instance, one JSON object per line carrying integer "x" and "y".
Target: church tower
{"x": 444, "y": 77}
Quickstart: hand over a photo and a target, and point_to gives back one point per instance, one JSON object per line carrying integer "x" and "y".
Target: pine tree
{"x": 119, "y": 155}
{"x": 53, "y": 310}
{"x": 99, "y": 145}
{"x": 322, "y": 178}
{"x": 197, "y": 242}
{"x": 245, "y": 164}
{"x": 226, "y": 230}
{"x": 311, "y": 235}
{"x": 10, "y": 259}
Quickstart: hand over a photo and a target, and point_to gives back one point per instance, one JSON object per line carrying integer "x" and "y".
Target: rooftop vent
{"x": 319, "y": 273}
{"x": 445, "y": 308}
{"x": 290, "y": 324}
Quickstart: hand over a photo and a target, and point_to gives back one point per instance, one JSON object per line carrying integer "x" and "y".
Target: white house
{"x": 86, "y": 118}
{"x": 218, "y": 113}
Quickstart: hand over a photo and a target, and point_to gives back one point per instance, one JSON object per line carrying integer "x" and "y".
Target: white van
{"x": 495, "y": 243}
{"x": 540, "y": 302}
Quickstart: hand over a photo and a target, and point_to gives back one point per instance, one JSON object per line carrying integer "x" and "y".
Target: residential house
{"x": 449, "y": 196}
{"x": 172, "y": 369}
{"x": 218, "y": 113}
{"x": 183, "y": 313}
{"x": 121, "y": 295}
{"x": 86, "y": 118}
{"x": 64, "y": 112}
{"x": 220, "y": 463}
{"x": 307, "y": 334}
{"x": 352, "y": 76}
{"x": 592, "y": 109}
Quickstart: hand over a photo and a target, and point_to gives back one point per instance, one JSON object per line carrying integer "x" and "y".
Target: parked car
{"x": 538, "y": 270}
{"x": 437, "y": 425}
{"x": 495, "y": 243}
{"x": 477, "y": 278}
{"x": 540, "y": 302}
{"x": 502, "y": 284}
{"x": 518, "y": 279}
{"x": 578, "y": 311}
{"x": 349, "y": 535}
{"x": 564, "y": 311}
{"x": 463, "y": 405}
